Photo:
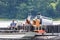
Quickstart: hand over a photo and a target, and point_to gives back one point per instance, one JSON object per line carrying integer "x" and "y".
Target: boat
{"x": 6, "y": 33}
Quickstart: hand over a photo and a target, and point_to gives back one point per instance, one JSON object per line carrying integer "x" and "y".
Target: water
{"x": 5, "y": 24}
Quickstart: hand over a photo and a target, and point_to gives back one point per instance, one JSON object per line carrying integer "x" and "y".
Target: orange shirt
{"x": 37, "y": 22}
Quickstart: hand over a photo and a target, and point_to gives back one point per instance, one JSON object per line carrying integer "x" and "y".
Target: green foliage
{"x": 19, "y": 9}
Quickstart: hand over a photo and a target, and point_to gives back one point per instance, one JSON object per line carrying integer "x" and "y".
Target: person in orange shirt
{"x": 37, "y": 24}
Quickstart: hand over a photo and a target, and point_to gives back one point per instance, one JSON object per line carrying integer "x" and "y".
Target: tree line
{"x": 19, "y": 9}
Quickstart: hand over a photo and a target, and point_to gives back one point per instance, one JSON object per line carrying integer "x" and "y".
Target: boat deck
{"x": 29, "y": 36}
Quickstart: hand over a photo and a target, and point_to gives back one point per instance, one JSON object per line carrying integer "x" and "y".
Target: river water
{"x": 7, "y": 23}
{"x": 4, "y": 24}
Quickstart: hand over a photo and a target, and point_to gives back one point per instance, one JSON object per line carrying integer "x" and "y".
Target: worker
{"x": 13, "y": 25}
{"x": 27, "y": 25}
{"x": 37, "y": 25}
